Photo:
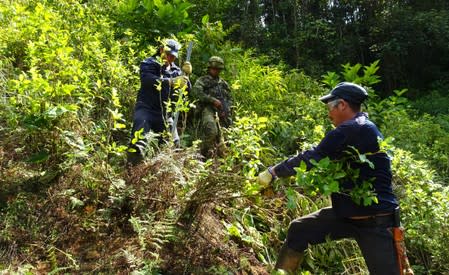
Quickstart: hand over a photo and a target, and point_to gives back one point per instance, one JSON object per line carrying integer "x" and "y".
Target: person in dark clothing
{"x": 159, "y": 77}
{"x": 368, "y": 225}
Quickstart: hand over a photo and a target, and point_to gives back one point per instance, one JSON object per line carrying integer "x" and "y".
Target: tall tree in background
{"x": 413, "y": 44}
{"x": 411, "y": 38}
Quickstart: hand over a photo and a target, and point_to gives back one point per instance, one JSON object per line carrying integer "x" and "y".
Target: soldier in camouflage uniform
{"x": 214, "y": 107}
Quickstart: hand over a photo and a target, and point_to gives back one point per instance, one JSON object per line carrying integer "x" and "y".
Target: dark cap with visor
{"x": 348, "y": 91}
{"x": 172, "y": 47}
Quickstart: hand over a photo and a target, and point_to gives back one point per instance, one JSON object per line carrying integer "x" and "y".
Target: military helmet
{"x": 171, "y": 46}
{"x": 348, "y": 91}
{"x": 216, "y": 62}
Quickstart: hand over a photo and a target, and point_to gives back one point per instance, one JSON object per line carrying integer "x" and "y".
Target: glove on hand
{"x": 187, "y": 68}
{"x": 179, "y": 81}
{"x": 265, "y": 178}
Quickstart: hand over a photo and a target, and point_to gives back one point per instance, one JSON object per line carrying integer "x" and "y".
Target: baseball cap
{"x": 172, "y": 47}
{"x": 348, "y": 91}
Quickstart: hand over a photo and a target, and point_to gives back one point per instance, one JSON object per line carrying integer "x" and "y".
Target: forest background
{"x": 68, "y": 81}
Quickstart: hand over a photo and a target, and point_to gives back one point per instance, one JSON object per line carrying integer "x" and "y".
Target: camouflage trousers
{"x": 212, "y": 141}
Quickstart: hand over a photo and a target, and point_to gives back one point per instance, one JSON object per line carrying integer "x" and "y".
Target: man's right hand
{"x": 179, "y": 81}
{"x": 217, "y": 104}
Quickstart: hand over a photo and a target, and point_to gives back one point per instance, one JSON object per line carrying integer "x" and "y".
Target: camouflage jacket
{"x": 207, "y": 89}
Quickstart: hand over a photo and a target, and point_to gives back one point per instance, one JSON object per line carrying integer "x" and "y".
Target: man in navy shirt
{"x": 159, "y": 76}
{"x": 368, "y": 225}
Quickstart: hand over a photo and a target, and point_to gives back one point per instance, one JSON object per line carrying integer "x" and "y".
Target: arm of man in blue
{"x": 331, "y": 146}
{"x": 151, "y": 75}
{"x": 171, "y": 73}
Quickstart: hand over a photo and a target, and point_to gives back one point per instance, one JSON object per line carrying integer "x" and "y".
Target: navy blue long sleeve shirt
{"x": 151, "y": 74}
{"x": 362, "y": 134}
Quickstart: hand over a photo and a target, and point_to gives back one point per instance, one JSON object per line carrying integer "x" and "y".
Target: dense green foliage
{"x": 410, "y": 38}
{"x": 68, "y": 80}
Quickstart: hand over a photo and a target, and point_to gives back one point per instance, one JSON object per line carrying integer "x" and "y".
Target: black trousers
{"x": 147, "y": 119}
{"x": 373, "y": 237}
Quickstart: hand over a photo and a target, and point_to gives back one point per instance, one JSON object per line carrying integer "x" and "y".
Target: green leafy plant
{"x": 351, "y": 73}
{"x": 424, "y": 203}
{"x": 325, "y": 176}
{"x": 164, "y": 17}
{"x": 245, "y": 146}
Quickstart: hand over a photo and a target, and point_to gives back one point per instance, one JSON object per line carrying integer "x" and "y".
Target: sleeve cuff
{"x": 272, "y": 172}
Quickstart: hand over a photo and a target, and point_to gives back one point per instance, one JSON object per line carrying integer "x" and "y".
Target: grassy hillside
{"x": 68, "y": 80}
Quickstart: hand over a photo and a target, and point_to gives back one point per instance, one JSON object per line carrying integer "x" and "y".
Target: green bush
{"x": 434, "y": 104}
{"x": 63, "y": 83}
{"x": 421, "y": 135}
{"x": 425, "y": 208}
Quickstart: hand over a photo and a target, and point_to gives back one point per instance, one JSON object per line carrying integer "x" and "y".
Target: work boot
{"x": 289, "y": 259}
{"x": 134, "y": 158}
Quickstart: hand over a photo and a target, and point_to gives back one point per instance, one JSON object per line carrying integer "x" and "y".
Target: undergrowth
{"x": 69, "y": 203}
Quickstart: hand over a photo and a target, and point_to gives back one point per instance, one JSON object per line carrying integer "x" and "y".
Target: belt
{"x": 384, "y": 219}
